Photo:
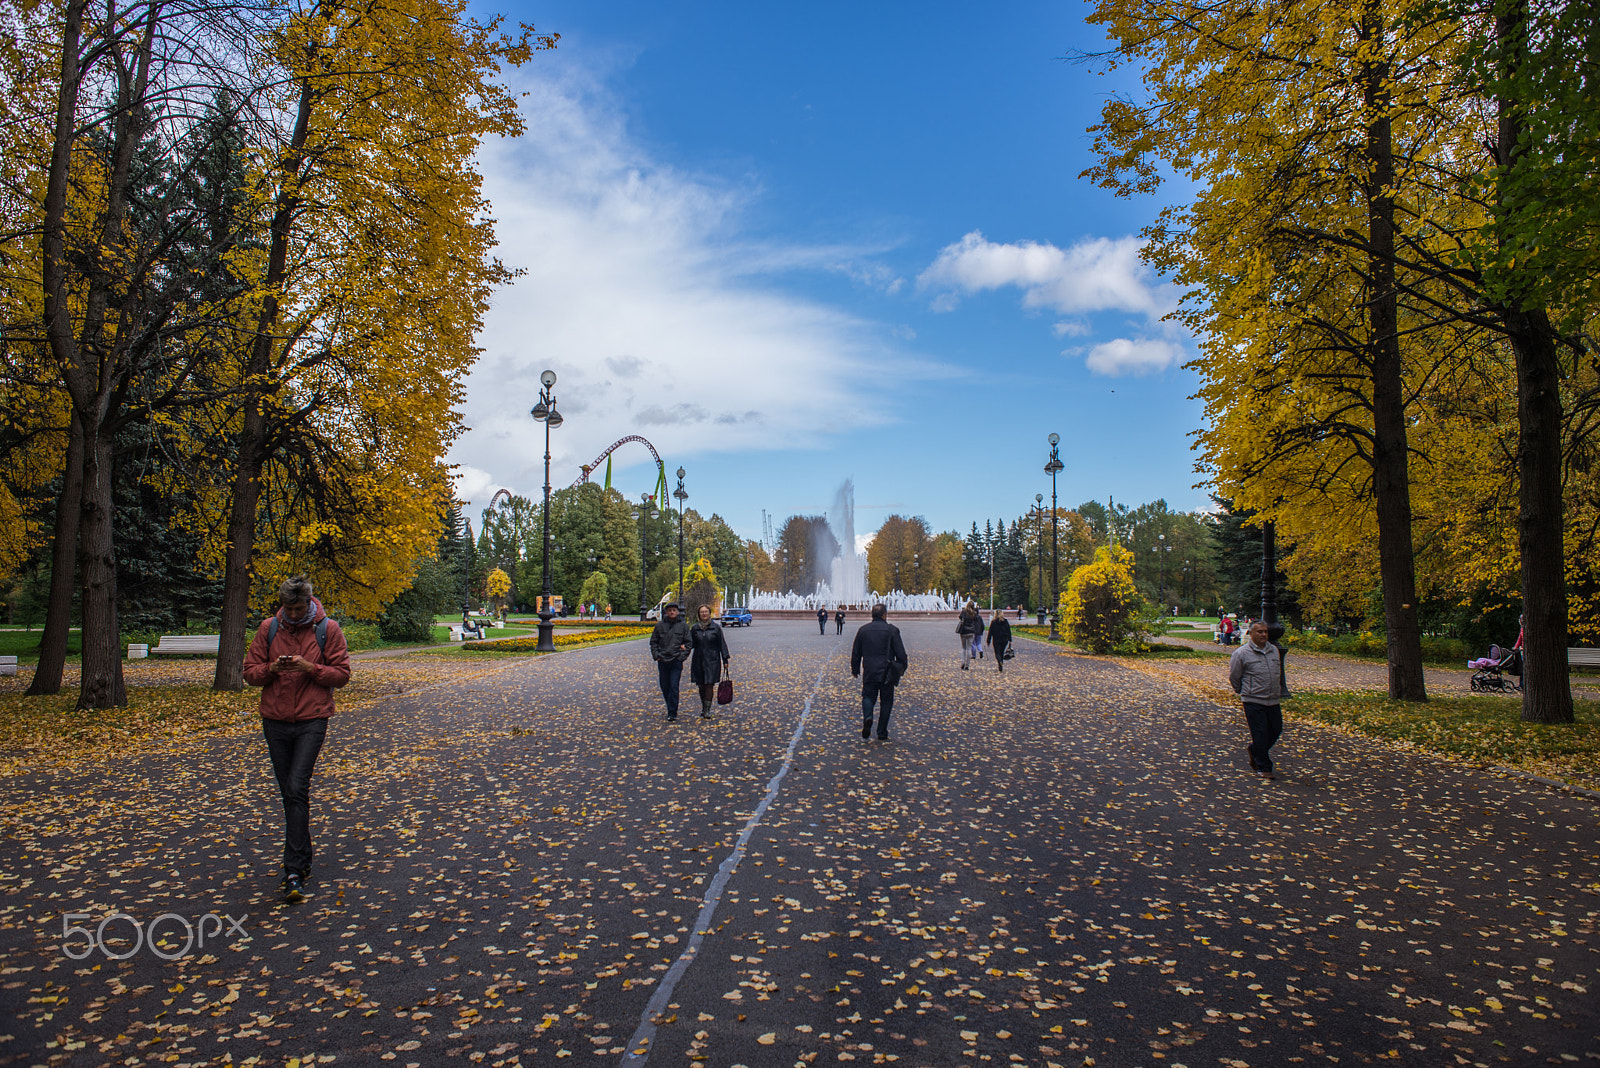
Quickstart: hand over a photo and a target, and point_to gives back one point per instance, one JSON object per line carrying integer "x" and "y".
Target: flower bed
{"x": 562, "y": 641}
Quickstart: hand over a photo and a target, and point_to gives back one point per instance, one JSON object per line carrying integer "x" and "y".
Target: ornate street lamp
{"x": 644, "y": 515}
{"x": 1161, "y": 562}
{"x": 545, "y": 412}
{"x": 1038, "y": 535}
{"x": 682, "y": 495}
{"x": 1052, "y": 469}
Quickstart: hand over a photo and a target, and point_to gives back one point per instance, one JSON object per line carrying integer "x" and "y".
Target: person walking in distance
{"x": 999, "y": 638}
{"x": 838, "y": 617}
{"x": 669, "y": 647}
{"x": 966, "y": 626}
{"x": 822, "y": 621}
{"x": 709, "y": 656}
{"x": 1255, "y": 671}
{"x": 298, "y": 657}
{"x": 878, "y": 659}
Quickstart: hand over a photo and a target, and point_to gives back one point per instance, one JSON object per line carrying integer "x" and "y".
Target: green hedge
{"x": 1451, "y": 651}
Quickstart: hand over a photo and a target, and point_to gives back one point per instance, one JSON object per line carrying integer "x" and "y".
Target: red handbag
{"x": 725, "y": 692}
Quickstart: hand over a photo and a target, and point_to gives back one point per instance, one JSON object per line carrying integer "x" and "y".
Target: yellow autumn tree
{"x": 1307, "y": 132}
{"x": 1101, "y": 603}
{"x": 700, "y": 587}
{"x": 498, "y": 584}
{"x": 368, "y": 286}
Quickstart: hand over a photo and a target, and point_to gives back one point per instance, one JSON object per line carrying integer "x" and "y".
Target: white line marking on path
{"x": 639, "y": 1046}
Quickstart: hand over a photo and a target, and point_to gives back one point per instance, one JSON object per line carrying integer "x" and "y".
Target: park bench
{"x": 8, "y": 665}
{"x": 1583, "y": 657}
{"x": 187, "y": 645}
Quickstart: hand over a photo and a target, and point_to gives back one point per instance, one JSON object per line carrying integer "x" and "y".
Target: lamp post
{"x": 1038, "y": 534}
{"x": 1052, "y": 469}
{"x": 682, "y": 495}
{"x": 991, "y": 576}
{"x": 644, "y": 516}
{"x": 916, "y": 572}
{"x": 545, "y": 412}
{"x": 1161, "y": 561}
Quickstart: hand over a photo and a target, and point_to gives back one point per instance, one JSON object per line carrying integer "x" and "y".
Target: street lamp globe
{"x": 1055, "y": 439}
{"x": 541, "y": 411}
{"x": 548, "y": 378}
{"x": 554, "y": 420}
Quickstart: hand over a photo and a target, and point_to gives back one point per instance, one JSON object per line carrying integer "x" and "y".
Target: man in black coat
{"x": 838, "y": 617}
{"x": 822, "y": 621}
{"x": 669, "y": 648}
{"x": 878, "y": 659}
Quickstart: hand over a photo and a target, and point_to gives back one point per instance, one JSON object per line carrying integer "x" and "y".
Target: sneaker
{"x": 672, "y": 717}
{"x": 866, "y": 732}
{"x": 293, "y": 888}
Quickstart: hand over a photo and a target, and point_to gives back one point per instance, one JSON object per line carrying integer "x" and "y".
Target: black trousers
{"x": 1266, "y": 727}
{"x": 671, "y": 674}
{"x": 882, "y": 695}
{"x": 294, "y": 748}
{"x": 841, "y": 626}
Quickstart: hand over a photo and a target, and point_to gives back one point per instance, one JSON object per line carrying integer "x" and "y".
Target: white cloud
{"x": 1098, "y": 274}
{"x": 639, "y": 291}
{"x": 1095, "y": 275}
{"x": 1124, "y": 357}
{"x": 475, "y": 486}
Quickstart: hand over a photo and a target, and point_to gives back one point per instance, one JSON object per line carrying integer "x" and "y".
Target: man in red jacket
{"x": 299, "y": 658}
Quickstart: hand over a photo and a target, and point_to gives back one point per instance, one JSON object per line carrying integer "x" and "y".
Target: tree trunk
{"x": 1546, "y": 681}
{"x": 1390, "y": 460}
{"x": 102, "y": 685}
{"x": 246, "y": 498}
{"x": 63, "y": 570}
{"x": 1546, "y": 677}
{"x": 236, "y": 571}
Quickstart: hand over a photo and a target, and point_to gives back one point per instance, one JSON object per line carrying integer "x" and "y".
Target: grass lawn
{"x": 24, "y": 644}
{"x": 1481, "y": 728}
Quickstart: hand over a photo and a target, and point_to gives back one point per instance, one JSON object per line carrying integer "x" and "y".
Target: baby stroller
{"x": 1499, "y": 672}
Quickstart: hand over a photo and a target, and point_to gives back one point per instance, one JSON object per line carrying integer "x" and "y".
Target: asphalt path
{"x": 1067, "y": 864}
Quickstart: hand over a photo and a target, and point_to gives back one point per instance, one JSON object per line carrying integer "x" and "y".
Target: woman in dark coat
{"x": 999, "y": 638}
{"x": 708, "y": 655}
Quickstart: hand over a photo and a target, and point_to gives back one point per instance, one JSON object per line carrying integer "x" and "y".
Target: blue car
{"x": 736, "y": 617}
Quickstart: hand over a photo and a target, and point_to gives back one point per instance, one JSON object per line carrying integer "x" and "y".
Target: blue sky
{"x": 794, "y": 244}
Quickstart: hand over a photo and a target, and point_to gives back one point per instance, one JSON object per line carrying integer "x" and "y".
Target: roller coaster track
{"x": 661, "y": 467}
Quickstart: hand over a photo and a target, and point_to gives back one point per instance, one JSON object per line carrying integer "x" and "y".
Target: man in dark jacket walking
{"x": 838, "y": 617}
{"x": 298, "y": 657}
{"x": 878, "y": 659}
{"x": 999, "y": 638}
{"x": 822, "y": 621}
{"x": 669, "y": 647}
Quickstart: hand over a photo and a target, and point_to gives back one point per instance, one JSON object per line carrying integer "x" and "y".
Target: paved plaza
{"x": 1065, "y": 864}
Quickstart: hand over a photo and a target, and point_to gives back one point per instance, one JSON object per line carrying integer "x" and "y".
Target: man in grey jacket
{"x": 1256, "y": 673}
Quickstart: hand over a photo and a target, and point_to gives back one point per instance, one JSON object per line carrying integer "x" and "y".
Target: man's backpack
{"x": 322, "y": 633}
